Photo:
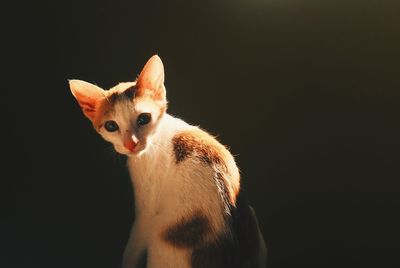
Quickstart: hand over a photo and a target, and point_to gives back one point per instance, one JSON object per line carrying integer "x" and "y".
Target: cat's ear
{"x": 87, "y": 95}
{"x": 151, "y": 79}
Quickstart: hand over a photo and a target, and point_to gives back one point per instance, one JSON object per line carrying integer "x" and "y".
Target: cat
{"x": 190, "y": 211}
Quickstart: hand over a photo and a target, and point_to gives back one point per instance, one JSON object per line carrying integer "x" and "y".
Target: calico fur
{"x": 190, "y": 211}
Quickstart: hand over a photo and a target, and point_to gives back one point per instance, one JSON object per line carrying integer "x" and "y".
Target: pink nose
{"x": 130, "y": 145}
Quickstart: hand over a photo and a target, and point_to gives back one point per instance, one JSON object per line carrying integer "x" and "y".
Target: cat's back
{"x": 240, "y": 243}
{"x": 196, "y": 150}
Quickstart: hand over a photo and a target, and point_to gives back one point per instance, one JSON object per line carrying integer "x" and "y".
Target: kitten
{"x": 189, "y": 210}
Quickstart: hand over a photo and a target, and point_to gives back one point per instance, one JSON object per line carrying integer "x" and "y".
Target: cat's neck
{"x": 160, "y": 144}
{"x": 149, "y": 169}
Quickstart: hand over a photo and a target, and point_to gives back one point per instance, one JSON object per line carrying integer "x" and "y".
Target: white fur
{"x": 164, "y": 193}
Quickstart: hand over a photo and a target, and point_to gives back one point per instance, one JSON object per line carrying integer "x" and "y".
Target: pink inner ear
{"x": 87, "y": 104}
{"x": 152, "y": 76}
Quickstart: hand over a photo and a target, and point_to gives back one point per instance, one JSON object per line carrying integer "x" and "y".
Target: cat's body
{"x": 189, "y": 212}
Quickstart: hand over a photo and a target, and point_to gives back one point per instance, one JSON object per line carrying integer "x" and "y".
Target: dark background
{"x": 305, "y": 93}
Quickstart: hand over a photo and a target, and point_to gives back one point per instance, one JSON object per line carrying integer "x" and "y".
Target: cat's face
{"x": 128, "y": 114}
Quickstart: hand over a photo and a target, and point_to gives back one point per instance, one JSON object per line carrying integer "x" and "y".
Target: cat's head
{"x": 128, "y": 114}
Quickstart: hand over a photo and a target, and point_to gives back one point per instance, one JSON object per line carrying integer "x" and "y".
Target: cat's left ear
{"x": 151, "y": 80}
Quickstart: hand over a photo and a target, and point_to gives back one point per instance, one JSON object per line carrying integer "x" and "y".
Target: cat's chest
{"x": 154, "y": 182}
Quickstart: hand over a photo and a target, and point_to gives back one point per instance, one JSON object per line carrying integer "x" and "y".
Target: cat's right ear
{"x": 87, "y": 95}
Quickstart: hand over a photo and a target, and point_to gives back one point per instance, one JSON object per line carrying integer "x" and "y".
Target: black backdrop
{"x": 305, "y": 93}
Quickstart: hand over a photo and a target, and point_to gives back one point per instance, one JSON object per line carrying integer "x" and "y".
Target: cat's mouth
{"x": 138, "y": 149}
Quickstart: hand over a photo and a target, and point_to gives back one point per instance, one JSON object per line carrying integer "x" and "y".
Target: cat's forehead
{"x": 122, "y": 98}
{"x": 124, "y": 90}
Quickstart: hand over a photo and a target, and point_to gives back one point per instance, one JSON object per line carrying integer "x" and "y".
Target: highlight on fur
{"x": 190, "y": 210}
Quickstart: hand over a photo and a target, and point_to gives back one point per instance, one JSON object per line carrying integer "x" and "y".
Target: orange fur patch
{"x": 203, "y": 146}
{"x": 101, "y": 108}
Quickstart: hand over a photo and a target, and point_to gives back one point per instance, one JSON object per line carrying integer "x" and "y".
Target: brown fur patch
{"x": 130, "y": 92}
{"x": 203, "y": 146}
{"x": 112, "y": 97}
{"x": 189, "y": 231}
{"x": 206, "y": 147}
{"x": 238, "y": 247}
{"x": 127, "y": 94}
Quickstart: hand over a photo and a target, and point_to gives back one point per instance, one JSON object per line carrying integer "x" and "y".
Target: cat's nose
{"x": 130, "y": 144}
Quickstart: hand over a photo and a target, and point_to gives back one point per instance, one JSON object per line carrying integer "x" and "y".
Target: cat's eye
{"x": 111, "y": 126}
{"x": 143, "y": 119}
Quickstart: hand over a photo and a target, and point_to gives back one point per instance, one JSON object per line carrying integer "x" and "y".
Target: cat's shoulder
{"x": 194, "y": 148}
{"x": 194, "y": 142}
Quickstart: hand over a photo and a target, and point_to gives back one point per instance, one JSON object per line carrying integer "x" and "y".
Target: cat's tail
{"x": 262, "y": 256}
